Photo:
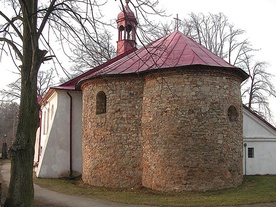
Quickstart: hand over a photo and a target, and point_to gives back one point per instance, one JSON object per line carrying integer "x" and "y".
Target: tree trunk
{"x": 21, "y": 191}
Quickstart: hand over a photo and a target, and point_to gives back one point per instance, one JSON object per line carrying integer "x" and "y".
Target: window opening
{"x": 121, "y": 29}
{"x": 101, "y": 103}
{"x": 48, "y": 120}
{"x": 44, "y": 122}
{"x": 232, "y": 114}
{"x": 250, "y": 152}
{"x": 129, "y": 29}
{"x": 52, "y": 111}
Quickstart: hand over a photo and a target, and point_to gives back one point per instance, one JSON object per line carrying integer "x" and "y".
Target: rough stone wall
{"x": 168, "y": 131}
{"x": 112, "y": 150}
{"x": 188, "y": 141}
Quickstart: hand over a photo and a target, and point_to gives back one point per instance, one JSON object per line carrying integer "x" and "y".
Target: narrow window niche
{"x": 100, "y": 103}
{"x": 233, "y": 114}
{"x": 250, "y": 152}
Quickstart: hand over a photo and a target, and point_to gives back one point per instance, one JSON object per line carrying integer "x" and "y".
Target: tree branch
{"x": 46, "y": 17}
{"x": 11, "y": 22}
{"x": 14, "y": 47}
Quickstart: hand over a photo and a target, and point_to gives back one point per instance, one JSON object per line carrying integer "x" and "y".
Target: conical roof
{"x": 126, "y": 14}
{"x": 172, "y": 51}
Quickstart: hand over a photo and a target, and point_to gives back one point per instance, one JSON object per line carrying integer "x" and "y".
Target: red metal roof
{"x": 126, "y": 14}
{"x": 171, "y": 51}
{"x": 71, "y": 84}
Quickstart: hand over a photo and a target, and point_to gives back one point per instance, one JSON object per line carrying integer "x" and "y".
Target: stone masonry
{"x": 169, "y": 131}
{"x": 112, "y": 149}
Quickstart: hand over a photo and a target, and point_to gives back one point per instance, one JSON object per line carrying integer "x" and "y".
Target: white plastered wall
{"x": 55, "y": 154}
{"x": 262, "y": 137}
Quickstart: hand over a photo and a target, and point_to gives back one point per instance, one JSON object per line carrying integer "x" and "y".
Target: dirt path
{"x": 47, "y": 198}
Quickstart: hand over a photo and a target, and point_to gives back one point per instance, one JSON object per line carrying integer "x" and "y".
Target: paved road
{"x": 51, "y": 198}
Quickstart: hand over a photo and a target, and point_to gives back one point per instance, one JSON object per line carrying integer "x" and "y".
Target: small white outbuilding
{"x": 259, "y": 142}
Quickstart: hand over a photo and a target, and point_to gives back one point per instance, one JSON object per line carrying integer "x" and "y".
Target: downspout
{"x": 245, "y": 145}
{"x": 39, "y": 138}
{"x": 70, "y": 131}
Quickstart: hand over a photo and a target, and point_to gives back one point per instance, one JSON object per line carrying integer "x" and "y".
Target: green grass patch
{"x": 255, "y": 189}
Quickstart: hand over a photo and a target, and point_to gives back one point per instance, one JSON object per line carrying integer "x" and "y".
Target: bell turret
{"x": 126, "y": 24}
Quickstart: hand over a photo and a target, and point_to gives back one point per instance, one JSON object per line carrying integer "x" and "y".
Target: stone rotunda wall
{"x": 168, "y": 131}
{"x": 191, "y": 140}
{"x": 112, "y": 151}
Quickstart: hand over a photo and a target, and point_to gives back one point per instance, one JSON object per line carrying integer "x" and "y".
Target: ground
{"x": 46, "y": 198}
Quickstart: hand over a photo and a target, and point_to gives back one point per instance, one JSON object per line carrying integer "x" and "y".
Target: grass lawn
{"x": 255, "y": 189}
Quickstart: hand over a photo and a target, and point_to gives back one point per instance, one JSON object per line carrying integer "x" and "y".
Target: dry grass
{"x": 255, "y": 189}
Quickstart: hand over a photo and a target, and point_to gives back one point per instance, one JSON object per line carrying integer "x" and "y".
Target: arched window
{"x": 52, "y": 111}
{"x": 121, "y": 30}
{"x": 100, "y": 103}
{"x": 44, "y": 122}
{"x": 129, "y": 30}
{"x": 48, "y": 120}
{"x": 232, "y": 114}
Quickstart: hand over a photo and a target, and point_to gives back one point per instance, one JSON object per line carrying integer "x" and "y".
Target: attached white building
{"x": 58, "y": 150}
{"x": 259, "y": 145}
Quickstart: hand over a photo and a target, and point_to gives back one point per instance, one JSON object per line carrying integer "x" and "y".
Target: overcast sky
{"x": 256, "y": 17}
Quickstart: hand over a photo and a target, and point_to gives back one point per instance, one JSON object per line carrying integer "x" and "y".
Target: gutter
{"x": 70, "y": 134}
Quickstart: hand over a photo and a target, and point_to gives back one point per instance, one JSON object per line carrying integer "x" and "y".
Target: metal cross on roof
{"x": 177, "y": 20}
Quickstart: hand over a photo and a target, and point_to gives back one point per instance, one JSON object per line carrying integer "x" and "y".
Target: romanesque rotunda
{"x": 166, "y": 116}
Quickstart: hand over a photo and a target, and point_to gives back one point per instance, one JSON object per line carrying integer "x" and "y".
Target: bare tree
{"x": 90, "y": 55}
{"x": 44, "y": 80}
{"x": 258, "y": 87}
{"x": 12, "y": 93}
{"x": 8, "y": 119}
{"x": 26, "y": 29}
{"x": 217, "y": 34}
